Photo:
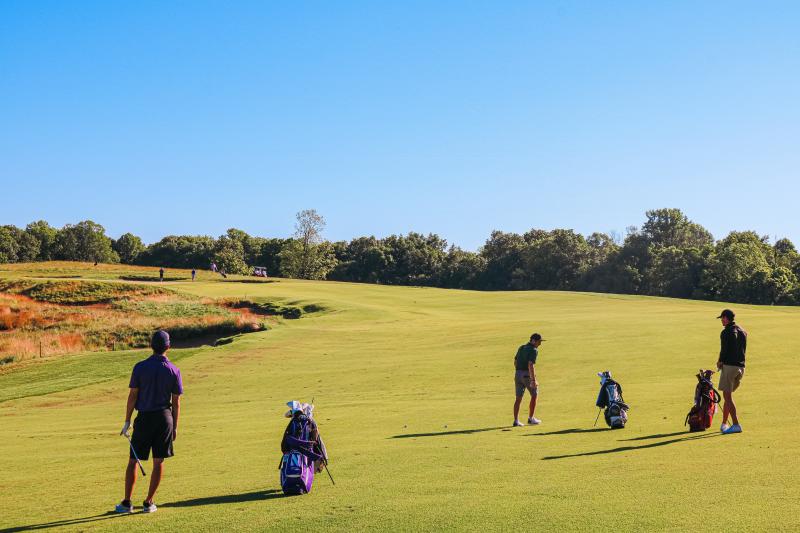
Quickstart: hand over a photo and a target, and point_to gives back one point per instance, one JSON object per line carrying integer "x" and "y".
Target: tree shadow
{"x": 566, "y": 432}
{"x": 443, "y": 433}
{"x": 256, "y": 495}
{"x": 66, "y": 522}
{"x": 629, "y": 448}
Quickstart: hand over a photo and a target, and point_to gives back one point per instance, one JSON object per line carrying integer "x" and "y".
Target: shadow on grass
{"x": 66, "y": 522}
{"x": 443, "y": 433}
{"x": 660, "y": 435}
{"x": 629, "y": 448}
{"x": 256, "y": 495}
{"x": 566, "y": 432}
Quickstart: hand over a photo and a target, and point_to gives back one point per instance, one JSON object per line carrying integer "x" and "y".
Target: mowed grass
{"x": 414, "y": 389}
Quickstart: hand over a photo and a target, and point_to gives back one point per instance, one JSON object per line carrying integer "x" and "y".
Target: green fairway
{"x": 414, "y": 390}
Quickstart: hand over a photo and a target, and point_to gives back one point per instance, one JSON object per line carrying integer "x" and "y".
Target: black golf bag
{"x": 610, "y": 399}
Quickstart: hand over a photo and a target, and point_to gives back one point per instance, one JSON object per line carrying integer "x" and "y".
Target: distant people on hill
{"x": 161, "y": 274}
{"x": 222, "y": 273}
{"x": 525, "y": 377}
{"x": 733, "y": 345}
{"x": 155, "y": 390}
{"x": 194, "y": 273}
{"x": 213, "y": 267}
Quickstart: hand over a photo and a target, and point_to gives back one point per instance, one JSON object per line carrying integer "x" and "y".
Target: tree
{"x": 677, "y": 272}
{"x": 84, "y": 241}
{"x": 229, "y": 256}
{"x": 460, "y": 269}
{"x": 128, "y": 248}
{"x": 26, "y": 245}
{"x": 9, "y": 248}
{"x": 739, "y": 269}
{"x": 670, "y": 227}
{"x": 314, "y": 262}
{"x": 179, "y": 251}
{"x": 46, "y": 235}
{"x": 306, "y": 256}
{"x": 555, "y": 260}
{"x": 502, "y": 253}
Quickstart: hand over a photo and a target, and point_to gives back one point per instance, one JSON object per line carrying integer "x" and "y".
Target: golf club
{"x": 134, "y": 455}
{"x": 325, "y": 464}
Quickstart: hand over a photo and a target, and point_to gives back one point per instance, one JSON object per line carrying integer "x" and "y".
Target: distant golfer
{"x": 194, "y": 273}
{"x": 733, "y": 341}
{"x": 525, "y": 377}
{"x": 155, "y": 391}
{"x": 161, "y": 274}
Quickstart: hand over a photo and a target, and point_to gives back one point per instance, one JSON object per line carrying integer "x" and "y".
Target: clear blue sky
{"x": 387, "y": 117}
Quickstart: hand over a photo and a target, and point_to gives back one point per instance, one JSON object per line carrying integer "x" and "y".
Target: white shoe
{"x": 534, "y": 421}
{"x": 149, "y": 507}
{"x": 122, "y": 508}
{"x": 736, "y": 428}
{"x": 517, "y": 424}
{"x": 723, "y": 428}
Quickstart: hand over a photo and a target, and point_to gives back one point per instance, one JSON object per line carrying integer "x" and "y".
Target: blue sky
{"x": 387, "y": 117}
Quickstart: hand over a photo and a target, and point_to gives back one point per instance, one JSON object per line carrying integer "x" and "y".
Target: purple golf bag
{"x": 301, "y": 447}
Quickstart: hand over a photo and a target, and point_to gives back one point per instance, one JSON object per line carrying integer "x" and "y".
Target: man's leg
{"x": 729, "y": 408}
{"x": 517, "y": 403}
{"x": 532, "y": 405}
{"x": 155, "y": 479}
{"x": 130, "y": 478}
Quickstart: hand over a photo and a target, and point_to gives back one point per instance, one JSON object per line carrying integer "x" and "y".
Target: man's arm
{"x": 133, "y": 395}
{"x": 176, "y": 411}
{"x": 724, "y": 342}
{"x": 532, "y": 373}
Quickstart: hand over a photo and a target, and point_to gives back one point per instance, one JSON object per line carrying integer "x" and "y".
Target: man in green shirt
{"x": 525, "y": 377}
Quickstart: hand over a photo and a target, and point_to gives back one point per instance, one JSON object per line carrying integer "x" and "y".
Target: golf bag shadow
{"x": 706, "y": 398}
{"x": 303, "y": 453}
{"x": 610, "y": 399}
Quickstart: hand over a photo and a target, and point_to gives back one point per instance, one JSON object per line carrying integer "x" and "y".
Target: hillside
{"x": 413, "y": 388}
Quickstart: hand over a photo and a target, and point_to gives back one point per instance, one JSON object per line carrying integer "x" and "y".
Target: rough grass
{"x": 413, "y": 389}
{"x": 77, "y": 292}
{"x": 46, "y": 318}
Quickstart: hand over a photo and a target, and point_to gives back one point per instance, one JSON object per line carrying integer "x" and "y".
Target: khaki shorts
{"x": 522, "y": 381}
{"x": 730, "y": 378}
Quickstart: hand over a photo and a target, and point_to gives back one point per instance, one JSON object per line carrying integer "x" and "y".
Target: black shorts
{"x": 153, "y": 430}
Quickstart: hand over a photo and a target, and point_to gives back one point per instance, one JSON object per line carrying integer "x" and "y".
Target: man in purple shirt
{"x": 155, "y": 392}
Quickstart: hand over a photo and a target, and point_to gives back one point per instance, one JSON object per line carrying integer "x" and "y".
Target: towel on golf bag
{"x": 303, "y": 450}
{"x": 706, "y": 398}
{"x": 610, "y": 398}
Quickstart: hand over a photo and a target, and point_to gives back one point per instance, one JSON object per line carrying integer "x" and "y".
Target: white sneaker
{"x": 122, "y": 508}
{"x": 149, "y": 507}
{"x": 723, "y": 428}
{"x": 736, "y": 428}
{"x": 534, "y": 421}
{"x": 517, "y": 424}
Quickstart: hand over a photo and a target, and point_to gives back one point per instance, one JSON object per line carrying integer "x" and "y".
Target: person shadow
{"x": 452, "y": 432}
{"x": 256, "y": 495}
{"x": 253, "y": 496}
{"x": 688, "y": 437}
{"x": 66, "y": 522}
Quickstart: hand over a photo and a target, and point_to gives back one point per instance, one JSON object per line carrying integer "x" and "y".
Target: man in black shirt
{"x": 525, "y": 377}
{"x": 733, "y": 345}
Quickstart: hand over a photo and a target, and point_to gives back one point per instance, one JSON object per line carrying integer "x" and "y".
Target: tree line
{"x": 669, "y": 255}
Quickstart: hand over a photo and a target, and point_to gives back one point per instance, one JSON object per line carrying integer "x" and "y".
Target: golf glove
{"x": 125, "y": 428}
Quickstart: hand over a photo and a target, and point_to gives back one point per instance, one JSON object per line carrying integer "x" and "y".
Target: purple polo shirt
{"x": 157, "y": 380}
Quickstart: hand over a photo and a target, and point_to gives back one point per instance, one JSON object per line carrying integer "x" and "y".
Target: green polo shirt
{"x": 525, "y": 353}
